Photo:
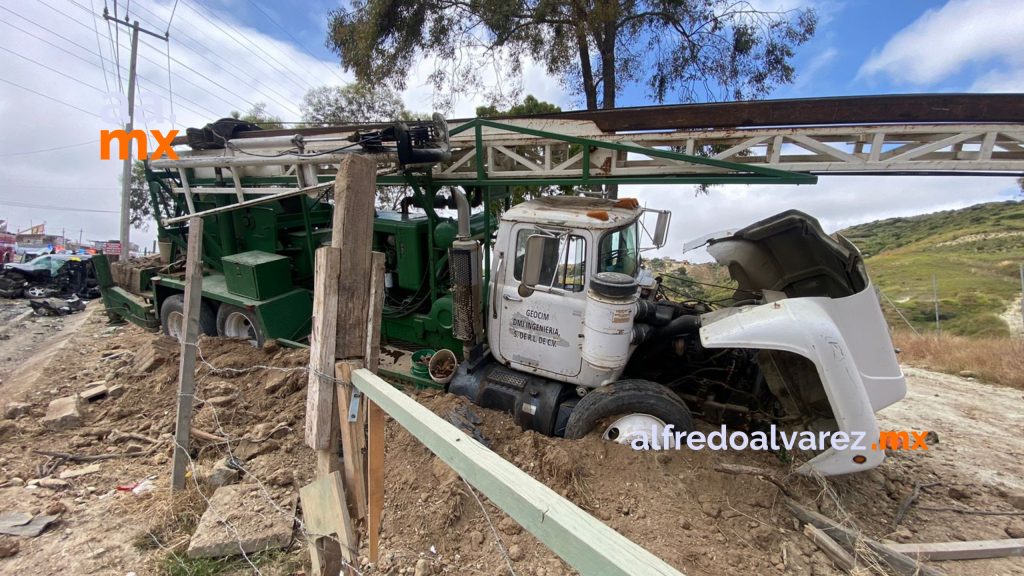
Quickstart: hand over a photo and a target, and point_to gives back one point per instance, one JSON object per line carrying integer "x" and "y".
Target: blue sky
{"x": 227, "y": 54}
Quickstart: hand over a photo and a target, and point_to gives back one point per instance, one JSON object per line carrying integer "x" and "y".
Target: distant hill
{"x": 974, "y": 254}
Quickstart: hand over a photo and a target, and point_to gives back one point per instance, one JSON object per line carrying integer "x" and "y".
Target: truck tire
{"x": 172, "y": 317}
{"x": 239, "y": 323}
{"x": 628, "y": 397}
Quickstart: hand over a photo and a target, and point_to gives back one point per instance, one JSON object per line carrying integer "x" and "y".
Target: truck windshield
{"x": 618, "y": 251}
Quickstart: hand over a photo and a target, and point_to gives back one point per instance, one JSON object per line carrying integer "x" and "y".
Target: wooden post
{"x": 189, "y": 339}
{"x": 374, "y": 415}
{"x": 355, "y": 188}
{"x": 340, "y": 303}
{"x": 320, "y": 389}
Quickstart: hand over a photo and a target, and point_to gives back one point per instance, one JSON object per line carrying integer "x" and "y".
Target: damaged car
{"x": 50, "y": 275}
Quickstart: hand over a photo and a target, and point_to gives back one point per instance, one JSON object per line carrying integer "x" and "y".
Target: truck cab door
{"x": 539, "y": 330}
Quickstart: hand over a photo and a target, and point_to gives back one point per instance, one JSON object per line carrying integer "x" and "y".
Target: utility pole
{"x": 935, "y": 298}
{"x": 126, "y": 170}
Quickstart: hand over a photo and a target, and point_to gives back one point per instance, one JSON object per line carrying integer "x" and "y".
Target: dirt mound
{"x": 250, "y": 407}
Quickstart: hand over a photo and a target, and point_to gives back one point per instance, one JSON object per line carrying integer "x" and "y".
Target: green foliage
{"x": 181, "y": 565}
{"x": 138, "y": 200}
{"x": 974, "y": 254}
{"x": 685, "y": 50}
{"x": 353, "y": 103}
{"x": 258, "y": 115}
{"x": 529, "y": 106}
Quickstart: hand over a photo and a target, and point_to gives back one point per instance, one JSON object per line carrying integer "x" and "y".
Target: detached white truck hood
{"x": 825, "y": 346}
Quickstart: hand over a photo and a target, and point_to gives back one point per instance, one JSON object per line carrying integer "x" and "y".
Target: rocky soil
{"x": 105, "y": 473}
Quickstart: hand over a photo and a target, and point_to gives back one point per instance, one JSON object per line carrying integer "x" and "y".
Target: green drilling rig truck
{"x": 547, "y": 301}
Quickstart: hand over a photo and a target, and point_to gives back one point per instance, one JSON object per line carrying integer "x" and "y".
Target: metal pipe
{"x": 462, "y": 204}
{"x": 294, "y": 140}
{"x": 243, "y": 160}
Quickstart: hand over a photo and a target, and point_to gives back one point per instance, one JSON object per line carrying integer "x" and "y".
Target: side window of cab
{"x": 564, "y": 264}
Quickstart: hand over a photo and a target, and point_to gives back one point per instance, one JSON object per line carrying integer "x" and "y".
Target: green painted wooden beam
{"x": 586, "y": 543}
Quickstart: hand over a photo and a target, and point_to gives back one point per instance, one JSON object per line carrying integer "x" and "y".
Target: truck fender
{"x": 804, "y": 326}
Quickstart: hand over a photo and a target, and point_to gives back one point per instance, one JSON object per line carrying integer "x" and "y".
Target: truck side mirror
{"x": 533, "y": 260}
{"x": 661, "y": 228}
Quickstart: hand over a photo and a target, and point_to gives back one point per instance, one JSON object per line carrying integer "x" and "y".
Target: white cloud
{"x": 818, "y": 62}
{"x": 944, "y": 41}
{"x": 836, "y": 201}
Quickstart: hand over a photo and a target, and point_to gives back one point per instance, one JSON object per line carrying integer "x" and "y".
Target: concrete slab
{"x": 63, "y": 413}
{"x": 241, "y": 518}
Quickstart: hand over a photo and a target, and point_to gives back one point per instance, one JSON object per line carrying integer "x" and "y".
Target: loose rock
{"x": 8, "y": 547}
{"x": 250, "y": 530}
{"x": 63, "y": 413}
{"x": 15, "y": 410}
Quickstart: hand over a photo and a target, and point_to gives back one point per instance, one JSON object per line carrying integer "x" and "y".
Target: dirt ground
{"x": 675, "y": 504}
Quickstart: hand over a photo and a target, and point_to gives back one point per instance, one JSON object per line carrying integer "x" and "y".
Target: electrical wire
{"x": 283, "y": 70}
{"x": 203, "y": 76}
{"x": 99, "y": 47}
{"x": 40, "y": 64}
{"x": 170, "y": 90}
{"x": 296, "y": 40}
{"x": 69, "y": 146}
{"x": 34, "y": 205}
{"x": 246, "y": 74}
{"x": 174, "y": 9}
{"x": 91, "y": 63}
{"x": 152, "y": 61}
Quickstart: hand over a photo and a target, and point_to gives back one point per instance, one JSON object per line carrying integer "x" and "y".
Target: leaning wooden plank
{"x": 189, "y": 340}
{"x": 840, "y": 557}
{"x": 320, "y": 389}
{"x": 352, "y": 230}
{"x": 353, "y": 437}
{"x": 971, "y": 550}
{"x": 583, "y": 541}
{"x": 325, "y": 514}
{"x": 900, "y": 563}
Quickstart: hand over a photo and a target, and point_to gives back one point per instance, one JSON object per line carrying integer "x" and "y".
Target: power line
{"x": 246, "y": 78}
{"x": 171, "y": 19}
{"x": 87, "y": 61}
{"x": 49, "y": 187}
{"x": 33, "y": 205}
{"x": 99, "y": 48}
{"x": 155, "y": 63}
{"x": 38, "y": 63}
{"x": 204, "y": 76}
{"x": 69, "y": 146}
{"x": 296, "y": 40}
{"x": 118, "y": 66}
{"x": 283, "y": 70}
{"x": 37, "y": 93}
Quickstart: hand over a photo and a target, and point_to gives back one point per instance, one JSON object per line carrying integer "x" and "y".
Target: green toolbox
{"x": 257, "y": 275}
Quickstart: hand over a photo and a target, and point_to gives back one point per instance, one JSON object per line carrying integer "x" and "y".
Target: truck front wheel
{"x": 240, "y": 324}
{"x": 628, "y": 408}
{"x": 172, "y": 317}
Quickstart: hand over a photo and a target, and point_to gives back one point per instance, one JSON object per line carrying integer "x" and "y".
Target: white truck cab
{"x": 579, "y": 334}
